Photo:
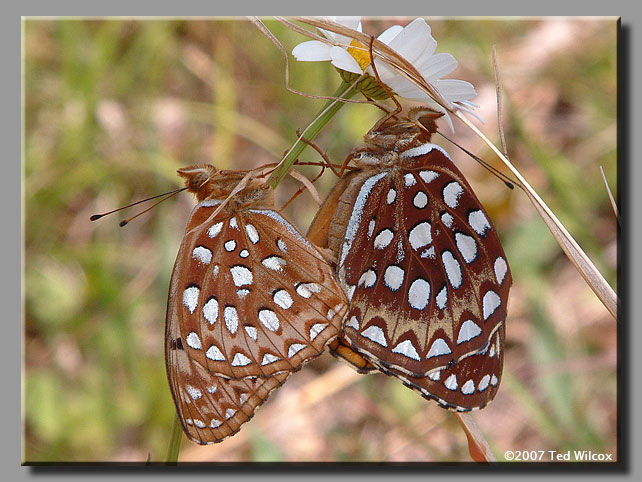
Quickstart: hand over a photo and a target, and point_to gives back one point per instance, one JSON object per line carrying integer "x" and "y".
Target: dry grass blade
{"x": 477, "y": 446}
{"x": 608, "y": 190}
{"x": 570, "y": 247}
{"x": 306, "y": 182}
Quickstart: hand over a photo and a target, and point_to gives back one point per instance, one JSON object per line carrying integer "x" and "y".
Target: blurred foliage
{"x": 113, "y": 107}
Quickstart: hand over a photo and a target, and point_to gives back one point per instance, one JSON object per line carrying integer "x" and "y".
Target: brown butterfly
{"x": 421, "y": 264}
{"x": 250, "y": 301}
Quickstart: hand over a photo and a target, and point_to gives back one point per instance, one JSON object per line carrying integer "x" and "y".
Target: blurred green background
{"x": 113, "y": 107}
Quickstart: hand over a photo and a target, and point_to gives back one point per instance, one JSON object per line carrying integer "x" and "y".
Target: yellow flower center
{"x": 360, "y": 53}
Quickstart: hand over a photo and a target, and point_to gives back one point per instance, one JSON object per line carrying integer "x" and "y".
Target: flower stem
{"x": 174, "y": 443}
{"x": 323, "y": 117}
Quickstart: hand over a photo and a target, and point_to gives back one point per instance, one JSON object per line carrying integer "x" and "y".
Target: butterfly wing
{"x": 253, "y": 297}
{"x": 211, "y": 407}
{"x": 423, "y": 267}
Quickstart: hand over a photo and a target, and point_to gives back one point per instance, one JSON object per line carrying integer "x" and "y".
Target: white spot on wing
{"x": 202, "y": 254}
{"x": 447, "y": 219}
{"x": 428, "y": 253}
{"x": 353, "y": 322}
{"x": 193, "y": 340}
{"x": 500, "y": 269}
{"x": 190, "y": 297}
{"x": 269, "y": 358}
{"x": 371, "y": 227}
{"x": 210, "y": 310}
{"x": 251, "y": 332}
{"x": 294, "y": 349}
{"x": 240, "y": 360}
{"x": 451, "y": 194}
{"x": 478, "y": 222}
{"x": 316, "y": 329}
{"x": 453, "y": 269}
{"x": 483, "y": 383}
{"x": 230, "y": 245}
{"x": 241, "y": 275}
{"x": 439, "y": 347}
{"x": 442, "y": 298}
{"x": 282, "y": 246}
{"x": 383, "y": 239}
{"x": 419, "y": 294}
{"x": 269, "y": 319}
{"x": 469, "y": 330}
{"x": 420, "y": 200}
{"x": 409, "y": 180}
{"x": 420, "y": 235}
{"x": 494, "y": 380}
{"x": 305, "y": 290}
{"x": 214, "y": 229}
{"x": 213, "y": 353}
{"x": 392, "y": 195}
{"x": 283, "y": 299}
{"x": 407, "y": 349}
{"x": 428, "y": 176}
{"x": 435, "y": 376}
{"x": 491, "y": 302}
{"x": 244, "y": 253}
{"x": 195, "y": 393}
{"x": 468, "y": 387}
{"x": 375, "y": 334}
{"x": 393, "y": 277}
{"x": 451, "y": 382}
{"x": 467, "y": 246}
{"x": 233, "y": 223}
{"x": 231, "y": 319}
{"x": 252, "y": 233}
{"x": 275, "y": 263}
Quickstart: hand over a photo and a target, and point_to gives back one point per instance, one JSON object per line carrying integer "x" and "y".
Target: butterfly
{"x": 422, "y": 266}
{"x": 251, "y": 300}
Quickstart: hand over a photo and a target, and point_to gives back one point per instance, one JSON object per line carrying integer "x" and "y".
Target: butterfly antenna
{"x": 510, "y": 183}
{"x": 169, "y": 194}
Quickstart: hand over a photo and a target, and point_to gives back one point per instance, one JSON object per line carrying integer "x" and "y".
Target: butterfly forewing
{"x": 420, "y": 266}
{"x": 256, "y": 298}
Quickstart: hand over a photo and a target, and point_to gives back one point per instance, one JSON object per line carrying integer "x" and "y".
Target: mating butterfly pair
{"x": 418, "y": 262}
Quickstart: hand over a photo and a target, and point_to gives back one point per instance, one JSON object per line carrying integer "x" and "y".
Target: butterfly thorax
{"x": 386, "y": 143}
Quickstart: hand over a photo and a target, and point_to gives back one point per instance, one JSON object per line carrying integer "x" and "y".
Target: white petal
{"x": 390, "y": 33}
{"x": 351, "y": 22}
{"x": 436, "y": 66}
{"x": 312, "y": 51}
{"x": 344, "y": 61}
{"x": 414, "y": 40}
{"x": 455, "y": 90}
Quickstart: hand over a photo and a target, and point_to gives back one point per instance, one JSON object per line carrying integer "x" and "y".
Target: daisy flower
{"x": 413, "y": 42}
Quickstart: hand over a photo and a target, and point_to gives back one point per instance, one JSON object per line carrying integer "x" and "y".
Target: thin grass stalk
{"x": 174, "y": 442}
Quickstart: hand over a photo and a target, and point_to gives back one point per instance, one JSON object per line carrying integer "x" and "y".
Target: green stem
{"x": 174, "y": 442}
{"x": 323, "y": 117}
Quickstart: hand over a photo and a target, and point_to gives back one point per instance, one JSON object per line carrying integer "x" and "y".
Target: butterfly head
{"x": 207, "y": 182}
